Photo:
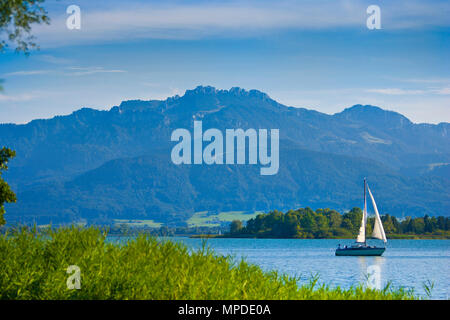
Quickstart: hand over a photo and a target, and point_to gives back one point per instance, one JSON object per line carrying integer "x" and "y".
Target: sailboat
{"x": 360, "y": 248}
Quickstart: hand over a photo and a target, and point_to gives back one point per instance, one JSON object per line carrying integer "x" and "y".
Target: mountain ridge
{"x": 58, "y": 150}
{"x": 210, "y": 90}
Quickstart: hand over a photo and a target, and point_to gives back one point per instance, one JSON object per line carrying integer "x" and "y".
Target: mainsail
{"x": 362, "y": 230}
{"x": 378, "y": 231}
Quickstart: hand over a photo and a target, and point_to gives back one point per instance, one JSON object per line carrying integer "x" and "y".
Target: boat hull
{"x": 360, "y": 251}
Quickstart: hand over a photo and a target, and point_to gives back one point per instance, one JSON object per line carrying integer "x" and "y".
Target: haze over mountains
{"x": 104, "y": 165}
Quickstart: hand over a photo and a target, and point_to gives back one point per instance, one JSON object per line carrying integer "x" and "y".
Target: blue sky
{"x": 314, "y": 54}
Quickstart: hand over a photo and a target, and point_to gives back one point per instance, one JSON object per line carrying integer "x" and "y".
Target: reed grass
{"x": 33, "y": 265}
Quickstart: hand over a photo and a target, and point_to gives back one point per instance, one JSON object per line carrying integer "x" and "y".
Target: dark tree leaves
{"x": 16, "y": 20}
{"x": 6, "y": 194}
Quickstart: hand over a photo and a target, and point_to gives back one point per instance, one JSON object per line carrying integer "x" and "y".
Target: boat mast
{"x": 364, "y": 211}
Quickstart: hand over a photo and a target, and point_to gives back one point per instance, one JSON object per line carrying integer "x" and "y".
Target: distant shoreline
{"x": 252, "y": 236}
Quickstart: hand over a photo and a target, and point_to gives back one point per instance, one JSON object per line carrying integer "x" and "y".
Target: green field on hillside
{"x": 138, "y": 223}
{"x": 203, "y": 219}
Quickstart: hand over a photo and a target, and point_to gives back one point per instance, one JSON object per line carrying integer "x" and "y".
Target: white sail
{"x": 378, "y": 231}
{"x": 362, "y": 230}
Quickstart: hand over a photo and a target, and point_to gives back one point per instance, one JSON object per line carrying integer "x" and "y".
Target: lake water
{"x": 405, "y": 263}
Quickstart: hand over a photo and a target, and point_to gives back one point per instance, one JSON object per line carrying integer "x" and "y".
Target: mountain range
{"x": 103, "y": 165}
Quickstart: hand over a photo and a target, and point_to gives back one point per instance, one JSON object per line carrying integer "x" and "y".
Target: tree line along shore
{"x": 305, "y": 223}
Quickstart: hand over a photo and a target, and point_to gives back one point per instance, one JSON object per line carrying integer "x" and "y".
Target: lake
{"x": 406, "y": 263}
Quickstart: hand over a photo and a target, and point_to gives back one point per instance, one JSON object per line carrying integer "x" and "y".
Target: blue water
{"x": 405, "y": 263}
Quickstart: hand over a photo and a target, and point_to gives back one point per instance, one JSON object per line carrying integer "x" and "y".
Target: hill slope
{"x": 116, "y": 164}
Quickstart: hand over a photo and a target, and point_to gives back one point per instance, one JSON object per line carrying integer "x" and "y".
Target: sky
{"x": 313, "y": 54}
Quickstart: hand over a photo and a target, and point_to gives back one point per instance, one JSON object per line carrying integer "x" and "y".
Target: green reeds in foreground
{"x": 33, "y": 265}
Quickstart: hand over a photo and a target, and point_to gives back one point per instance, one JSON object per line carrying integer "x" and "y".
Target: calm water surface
{"x": 405, "y": 263}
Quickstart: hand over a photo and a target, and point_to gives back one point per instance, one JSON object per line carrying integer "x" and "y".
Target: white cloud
{"x": 442, "y": 90}
{"x": 54, "y": 60}
{"x": 16, "y": 98}
{"x": 395, "y": 91}
{"x": 426, "y": 80}
{"x": 132, "y": 20}
{"x": 27, "y": 72}
{"x": 69, "y": 71}
{"x": 83, "y": 71}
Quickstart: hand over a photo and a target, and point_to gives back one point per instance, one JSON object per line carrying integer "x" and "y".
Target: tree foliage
{"x": 6, "y": 194}
{"x": 235, "y": 226}
{"x": 16, "y": 20}
{"x": 327, "y": 223}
